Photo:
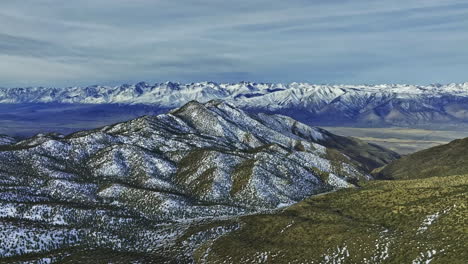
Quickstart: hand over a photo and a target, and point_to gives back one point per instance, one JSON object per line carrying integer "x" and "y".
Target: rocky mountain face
{"x": 350, "y": 105}
{"x": 139, "y": 186}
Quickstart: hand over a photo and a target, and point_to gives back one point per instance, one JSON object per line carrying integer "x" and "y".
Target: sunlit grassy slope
{"x": 407, "y": 221}
{"x": 444, "y": 160}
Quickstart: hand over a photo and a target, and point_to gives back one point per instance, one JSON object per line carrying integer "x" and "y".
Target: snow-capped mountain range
{"x": 119, "y": 186}
{"x": 312, "y": 104}
{"x": 171, "y": 94}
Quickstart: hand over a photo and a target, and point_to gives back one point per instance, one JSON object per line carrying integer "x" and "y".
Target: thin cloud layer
{"x": 62, "y": 43}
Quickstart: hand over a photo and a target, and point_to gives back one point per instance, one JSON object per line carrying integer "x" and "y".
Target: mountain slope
{"x": 417, "y": 217}
{"x": 409, "y": 221}
{"x": 351, "y": 105}
{"x": 444, "y": 160}
{"x": 137, "y": 186}
{"x": 366, "y": 156}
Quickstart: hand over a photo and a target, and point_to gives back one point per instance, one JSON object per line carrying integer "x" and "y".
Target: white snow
{"x": 428, "y": 221}
{"x": 271, "y": 96}
{"x": 337, "y": 182}
{"x": 425, "y": 257}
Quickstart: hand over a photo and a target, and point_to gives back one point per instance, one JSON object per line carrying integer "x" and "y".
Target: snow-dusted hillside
{"x": 212, "y": 160}
{"x": 317, "y": 104}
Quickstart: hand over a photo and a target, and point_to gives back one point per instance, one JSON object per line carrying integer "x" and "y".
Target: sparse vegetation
{"x": 323, "y": 175}
{"x": 299, "y": 146}
{"x": 241, "y": 175}
{"x": 382, "y": 222}
{"x": 337, "y": 161}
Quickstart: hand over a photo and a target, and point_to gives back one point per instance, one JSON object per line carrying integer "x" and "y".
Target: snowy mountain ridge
{"x": 195, "y": 151}
{"x": 137, "y": 186}
{"x": 171, "y": 94}
{"x": 348, "y": 105}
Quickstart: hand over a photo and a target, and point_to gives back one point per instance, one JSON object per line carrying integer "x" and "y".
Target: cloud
{"x": 61, "y": 43}
{"x": 28, "y": 71}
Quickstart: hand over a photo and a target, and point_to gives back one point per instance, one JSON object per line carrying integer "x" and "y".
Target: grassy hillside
{"x": 449, "y": 159}
{"x": 411, "y": 221}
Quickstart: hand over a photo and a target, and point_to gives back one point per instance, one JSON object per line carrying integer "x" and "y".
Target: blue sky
{"x": 65, "y": 43}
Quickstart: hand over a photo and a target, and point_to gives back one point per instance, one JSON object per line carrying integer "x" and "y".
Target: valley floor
{"x": 401, "y": 140}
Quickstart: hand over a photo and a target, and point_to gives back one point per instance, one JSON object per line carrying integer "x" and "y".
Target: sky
{"x": 84, "y": 42}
